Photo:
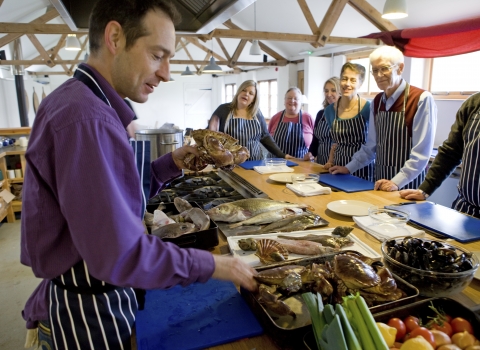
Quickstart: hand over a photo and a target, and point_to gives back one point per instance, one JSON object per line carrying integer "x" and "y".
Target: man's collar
{"x": 397, "y": 92}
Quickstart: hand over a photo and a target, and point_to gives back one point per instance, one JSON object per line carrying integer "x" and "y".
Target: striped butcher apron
{"x": 393, "y": 144}
{"x": 289, "y": 137}
{"x": 350, "y": 135}
{"x": 468, "y": 200}
{"x": 247, "y": 132}
{"x": 322, "y": 133}
{"x": 83, "y": 308}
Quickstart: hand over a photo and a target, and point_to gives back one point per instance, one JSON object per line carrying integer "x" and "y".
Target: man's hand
{"x": 412, "y": 194}
{"x": 385, "y": 185}
{"x": 235, "y": 270}
{"x": 288, "y": 156}
{"x": 337, "y": 169}
{"x": 180, "y": 153}
{"x": 327, "y": 165}
{"x": 309, "y": 157}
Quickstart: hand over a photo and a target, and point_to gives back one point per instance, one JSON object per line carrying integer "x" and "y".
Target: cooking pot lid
{"x": 159, "y": 131}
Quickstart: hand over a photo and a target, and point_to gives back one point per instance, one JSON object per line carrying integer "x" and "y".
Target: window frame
{"x": 234, "y": 90}
{"x": 271, "y": 109}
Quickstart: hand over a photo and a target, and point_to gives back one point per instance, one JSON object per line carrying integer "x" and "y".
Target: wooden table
{"x": 470, "y": 297}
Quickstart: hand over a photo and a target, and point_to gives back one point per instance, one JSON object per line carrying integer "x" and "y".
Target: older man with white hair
{"x": 403, "y": 120}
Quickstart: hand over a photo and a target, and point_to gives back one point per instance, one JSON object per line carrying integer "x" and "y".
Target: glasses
{"x": 384, "y": 70}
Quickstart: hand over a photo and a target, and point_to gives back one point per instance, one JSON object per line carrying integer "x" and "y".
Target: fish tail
{"x": 238, "y": 224}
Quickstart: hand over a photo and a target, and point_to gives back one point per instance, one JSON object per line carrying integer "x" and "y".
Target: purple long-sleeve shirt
{"x": 82, "y": 200}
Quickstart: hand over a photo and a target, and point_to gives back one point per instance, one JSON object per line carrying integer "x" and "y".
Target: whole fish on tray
{"x": 326, "y": 240}
{"x": 269, "y": 217}
{"x": 244, "y": 209}
{"x": 305, "y": 247}
{"x": 292, "y": 223}
{"x": 174, "y": 230}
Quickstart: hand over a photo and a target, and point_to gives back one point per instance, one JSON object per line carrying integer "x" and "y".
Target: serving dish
{"x": 349, "y": 207}
{"x": 430, "y": 274}
{"x": 282, "y": 177}
{"x": 205, "y": 239}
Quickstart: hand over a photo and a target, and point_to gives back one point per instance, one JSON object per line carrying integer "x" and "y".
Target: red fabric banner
{"x": 449, "y": 39}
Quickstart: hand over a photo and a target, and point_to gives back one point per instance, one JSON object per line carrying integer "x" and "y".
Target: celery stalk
{"x": 357, "y": 318}
{"x": 318, "y": 322}
{"x": 380, "y": 343}
{"x": 350, "y": 337}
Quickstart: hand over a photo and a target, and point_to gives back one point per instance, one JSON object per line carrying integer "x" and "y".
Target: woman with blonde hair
{"x": 322, "y": 141}
{"x": 243, "y": 120}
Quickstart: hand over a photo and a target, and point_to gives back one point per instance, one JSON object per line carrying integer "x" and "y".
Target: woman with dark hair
{"x": 243, "y": 120}
{"x": 322, "y": 141}
{"x": 291, "y": 128}
{"x": 348, "y": 120}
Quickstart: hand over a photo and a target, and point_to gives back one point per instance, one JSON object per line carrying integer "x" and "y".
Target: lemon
{"x": 417, "y": 343}
{"x": 388, "y": 333}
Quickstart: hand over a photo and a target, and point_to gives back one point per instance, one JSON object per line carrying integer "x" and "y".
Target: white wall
{"x": 317, "y": 71}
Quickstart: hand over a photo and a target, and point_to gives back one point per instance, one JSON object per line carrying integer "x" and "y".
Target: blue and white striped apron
{"x": 289, "y": 137}
{"x": 322, "y": 133}
{"x": 468, "y": 200}
{"x": 350, "y": 135}
{"x": 247, "y": 132}
{"x": 394, "y": 145}
{"x": 84, "y": 312}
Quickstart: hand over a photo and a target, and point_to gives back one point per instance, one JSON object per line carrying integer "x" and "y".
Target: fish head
{"x": 228, "y": 213}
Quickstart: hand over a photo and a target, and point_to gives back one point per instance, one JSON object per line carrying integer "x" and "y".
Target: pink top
{"x": 307, "y": 122}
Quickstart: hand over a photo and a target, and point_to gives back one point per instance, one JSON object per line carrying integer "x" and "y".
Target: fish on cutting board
{"x": 305, "y": 247}
{"x": 326, "y": 240}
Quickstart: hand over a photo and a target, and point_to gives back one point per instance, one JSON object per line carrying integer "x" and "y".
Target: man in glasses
{"x": 403, "y": 119}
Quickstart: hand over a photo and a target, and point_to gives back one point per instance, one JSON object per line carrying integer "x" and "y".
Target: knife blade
{"x": 403, "y": 203}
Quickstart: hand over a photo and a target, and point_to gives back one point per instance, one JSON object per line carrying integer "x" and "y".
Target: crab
{"x": 351, "y": 274}
{"x": 215, "y": 148}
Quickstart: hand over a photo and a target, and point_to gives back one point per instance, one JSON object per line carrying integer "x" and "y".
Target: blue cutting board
{"x": 195, "y": 317}
{"x": 249, "y": 164}
{"x": 442, "y": 220}
{"x": 346, "y": 182}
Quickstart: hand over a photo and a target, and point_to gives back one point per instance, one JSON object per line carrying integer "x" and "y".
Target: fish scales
{"x": 305, "y": 247}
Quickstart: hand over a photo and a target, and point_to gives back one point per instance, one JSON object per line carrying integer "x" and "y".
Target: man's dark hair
{"x": 130, "y": 14}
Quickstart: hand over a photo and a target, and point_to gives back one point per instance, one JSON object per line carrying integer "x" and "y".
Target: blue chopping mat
{"x": 249, "y": 164}
{"x": 195, "y": 317}
{"x": 346, "y": 182}
{"x": 442, "y": 220}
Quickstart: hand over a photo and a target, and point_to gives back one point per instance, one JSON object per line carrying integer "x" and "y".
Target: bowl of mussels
{"x": 436, "y": 268}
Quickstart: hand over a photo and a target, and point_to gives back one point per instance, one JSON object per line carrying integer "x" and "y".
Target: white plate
{"x": 250, "y": 258}
{"x": 349, "y": 207}
{"x": 284, "y": 178}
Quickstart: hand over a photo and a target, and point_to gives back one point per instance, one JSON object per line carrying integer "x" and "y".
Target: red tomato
{"x": 445, "y": 328}
{"x": 448, "y": 318}
{"x": 400, "y": 326}
{"x": 460, "y": 324}
{"x": 411, "y": 322}
{"x": 425, "y": 333}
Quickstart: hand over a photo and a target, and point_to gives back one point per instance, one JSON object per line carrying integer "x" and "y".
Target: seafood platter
{"x": 322, "y": 242}
{"x": 183, "y": 223}
{"x": 280, "y": 309}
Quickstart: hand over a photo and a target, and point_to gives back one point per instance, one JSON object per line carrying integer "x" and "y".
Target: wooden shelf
{"x": 16, "y": 206}
{"x": 16, "y": 180}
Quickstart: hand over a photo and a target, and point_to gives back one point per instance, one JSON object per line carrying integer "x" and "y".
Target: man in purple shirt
{"x": 82, "y": 231}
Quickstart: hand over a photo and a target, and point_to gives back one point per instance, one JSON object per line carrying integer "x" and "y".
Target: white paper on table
{"x": 263, "y": 169}
{"x": 385, "y": 231}
{"x": 309, "y": 189}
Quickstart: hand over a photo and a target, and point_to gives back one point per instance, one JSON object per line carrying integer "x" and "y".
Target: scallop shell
{"x": 269, "y": 251}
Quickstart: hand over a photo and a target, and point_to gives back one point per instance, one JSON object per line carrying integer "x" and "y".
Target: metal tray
{"x": 421, "y": 310}
{"x": 289, "y": 335}
{"x": 206, "y": 239}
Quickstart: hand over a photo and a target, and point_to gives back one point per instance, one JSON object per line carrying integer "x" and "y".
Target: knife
{"x": 403, "y": 203}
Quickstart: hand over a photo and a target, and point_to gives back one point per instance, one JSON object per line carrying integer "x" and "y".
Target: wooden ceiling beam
{"x": 40, "y": 49}
{"x": 77, "y": 57}
{"x": 225, "y": 52}
{"x": 68, "y": 72}
{"x": 58, "y": 46}
{"x": 36, "y": 28}
{"x": 35, "y": 62}
{"x": 304, "y": 38}
{"x": 238, "y": 51}
{"x": 371, "y": 14}
{"x": 188, "y": 54}
{"x": 48, "y": 16}
{"x": 206, "y": 61}
{"x": 269, "y": 51}
{"x": 308, "y": 15}
{"x": 195, "y": 42}
{"x": 329, "y": 20}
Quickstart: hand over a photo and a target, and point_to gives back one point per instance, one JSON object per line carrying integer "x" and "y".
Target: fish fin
{"x": 238, "y": 224}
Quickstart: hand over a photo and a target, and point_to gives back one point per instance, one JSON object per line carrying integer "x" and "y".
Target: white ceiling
{"x": 282, "y": 16}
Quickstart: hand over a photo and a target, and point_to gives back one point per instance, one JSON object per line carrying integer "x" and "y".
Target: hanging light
{"x": 255, "y": 48}
{"x": 171, "y": 80}
{"x": 212, "y": 67}
{"x": 395, "y": 9}
{"x": 187, "y": 72}
{"x": 72, "y": 43}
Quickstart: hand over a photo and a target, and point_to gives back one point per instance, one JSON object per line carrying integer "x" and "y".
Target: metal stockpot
{"x": 162, "y": 141}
